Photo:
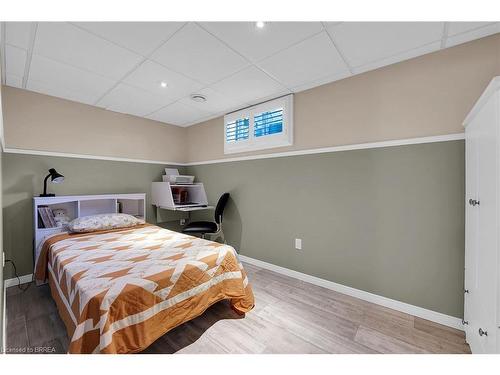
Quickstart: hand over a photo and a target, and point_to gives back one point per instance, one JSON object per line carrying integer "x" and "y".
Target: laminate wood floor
{"x": 290, "y": 316}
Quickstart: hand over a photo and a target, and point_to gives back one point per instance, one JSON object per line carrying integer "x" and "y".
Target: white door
{"x": 471, "y": 241}
{"x": 482, "y": 230}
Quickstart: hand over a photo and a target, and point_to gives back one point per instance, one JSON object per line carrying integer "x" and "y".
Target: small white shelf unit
{"x": 162, "y": 196}
{"x": 85, "y": 205}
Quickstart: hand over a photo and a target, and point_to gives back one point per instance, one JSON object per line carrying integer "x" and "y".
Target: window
{"x": 262, "y": 126}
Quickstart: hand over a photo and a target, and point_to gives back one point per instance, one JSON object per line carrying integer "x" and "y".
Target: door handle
{"x": 473, "y": 202}
{"x": 482, "y": 333}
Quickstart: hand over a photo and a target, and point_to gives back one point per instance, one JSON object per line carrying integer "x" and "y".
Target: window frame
{"x": 253, "y": 143}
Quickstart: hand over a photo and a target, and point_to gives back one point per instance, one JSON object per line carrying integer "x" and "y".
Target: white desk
{"x": 182, "y": 210}
{"x": 162, "y": 195}
{"x": 191, "y": 208}
{"x": 163, "y": 198}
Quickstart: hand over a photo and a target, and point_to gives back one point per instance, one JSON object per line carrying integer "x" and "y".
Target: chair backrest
{"x": 219, "y": 209}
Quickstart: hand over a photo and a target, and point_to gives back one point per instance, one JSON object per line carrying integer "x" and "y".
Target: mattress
{"x": 118, "y": 291}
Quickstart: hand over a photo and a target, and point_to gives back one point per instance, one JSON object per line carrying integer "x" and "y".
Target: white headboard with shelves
{"x": 85, "y": 205}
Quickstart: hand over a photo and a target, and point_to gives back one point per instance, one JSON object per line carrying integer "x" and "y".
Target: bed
{"x": 119, "y": 290}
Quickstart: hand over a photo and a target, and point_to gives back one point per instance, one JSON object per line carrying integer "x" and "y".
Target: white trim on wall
{"x": 310, "y": 151}
{"x": 323, "y": 150}
{"x": 420, "y": 312}
{"x": 14, "y": 282}
{"x": 86, "y": 156}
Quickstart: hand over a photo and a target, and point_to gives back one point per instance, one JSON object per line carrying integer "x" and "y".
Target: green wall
{"x": 388, "y": 221}
{"x": 23, "y": 178}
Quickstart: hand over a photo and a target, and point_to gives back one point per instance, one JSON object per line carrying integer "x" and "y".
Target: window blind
{"x": 267, "y": 123}
{"x": 237, "y": 130}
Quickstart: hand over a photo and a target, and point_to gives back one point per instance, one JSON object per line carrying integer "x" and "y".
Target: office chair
{"x": 209, "y": 227}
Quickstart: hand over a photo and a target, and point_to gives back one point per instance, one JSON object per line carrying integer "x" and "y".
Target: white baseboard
{"x": 14, "y": 282}
{"x": 420, "y": 312}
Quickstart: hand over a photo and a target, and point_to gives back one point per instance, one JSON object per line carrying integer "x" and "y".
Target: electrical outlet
{"x": 298, "y": 243}
{"x": 183, "y": 221}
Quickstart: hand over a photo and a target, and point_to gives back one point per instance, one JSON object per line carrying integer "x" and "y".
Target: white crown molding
{"x": 417, "y": 311}
{"x": 359, "y": 146}
{"x": 85, "y": 156}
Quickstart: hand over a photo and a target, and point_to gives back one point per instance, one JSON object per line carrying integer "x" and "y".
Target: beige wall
{"x": 41, "y": 122}
{"x": 425, "y": 96}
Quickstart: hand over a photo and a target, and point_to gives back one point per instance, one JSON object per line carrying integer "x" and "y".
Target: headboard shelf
{"x": 84, "y": 205}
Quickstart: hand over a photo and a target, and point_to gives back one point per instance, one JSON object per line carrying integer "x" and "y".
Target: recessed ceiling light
{"x": 260, "y": 24}
{"x": 163, "y": 84}
{"x": 199, "y": 98}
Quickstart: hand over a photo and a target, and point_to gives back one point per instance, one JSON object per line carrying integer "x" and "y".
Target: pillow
{"x": 95, "y": 223}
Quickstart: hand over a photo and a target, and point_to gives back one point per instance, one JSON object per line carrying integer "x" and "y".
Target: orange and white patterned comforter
{"x": 118, "y": 291}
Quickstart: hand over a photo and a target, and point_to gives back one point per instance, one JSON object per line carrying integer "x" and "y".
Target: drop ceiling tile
{"x": 428, "y": 48}
{"x": 127, "y": 99}
{"x": 248, "y": 85}
{"x": 15, "y": 60}
{"x": 18, "y": 33}
{"x": 179, "y": 114}
{"x": 13, "y": 81}
{"x": 149, "y": 75}
{"x": 197, "y": 54}
{"x": 255, "y": 43}
{"x": 461, "y": 27}
{"x": 268, "y": 98}
{"x": 365, "y": 42}
{"x": 481, "y": 32}
{"x": 307, "y": 61}
{"x": 321, "y": 81}
{"x": 56, "y": 79}
{"x": 140, "y": 37}
{"x": 58, "y": 91}
{"x": 70, "y": 45}
{"x": 330, "y": 23}
{"x": 216, "y": 103}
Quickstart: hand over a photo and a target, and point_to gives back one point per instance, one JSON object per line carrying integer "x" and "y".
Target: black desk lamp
{"x": 55, "y": 178}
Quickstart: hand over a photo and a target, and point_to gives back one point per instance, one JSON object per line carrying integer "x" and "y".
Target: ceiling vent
{"x": 199, "y": 98}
